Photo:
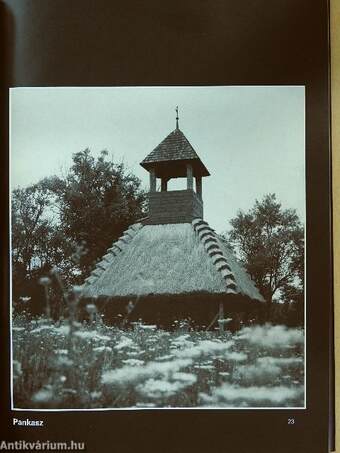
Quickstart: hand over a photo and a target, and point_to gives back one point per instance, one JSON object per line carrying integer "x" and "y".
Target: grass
{"x": 73, "y": 365}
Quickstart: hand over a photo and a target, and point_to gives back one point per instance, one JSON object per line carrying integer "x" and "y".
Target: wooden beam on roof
{"x": 152, "y": 180}
{"x": 164, "y": 184}
{"x": 190, "y": 180}
{"x": 199, "y": 186}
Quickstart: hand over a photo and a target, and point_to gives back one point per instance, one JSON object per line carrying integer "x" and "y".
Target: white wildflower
{"x": 204, "y": 367}
{"x": 204, "y": 347}
{"x": 152, "y": 340}
{"x": 224, "y": 321}
{"x": 133, "y": 362}
{"x": 102, "y": 349}
{"x": 187, "y": 378}
{"x": 276, "y": 395}
{"x": 147, "y": 327}
{"x": 91, "y": 308}
{"x": 43, "y": 396}
{"x": 235, "y": 356}
{"x": 182, "y": 338}
{"x": 157, "y": 388}
{"x": 130, "y": 374}
{"x": 42, "y": 321}
{"x": 62, "y": 330}
{"x": 70, "y": 391}
{"x": 272, "y": 336}
{"x": 17, "y": 370}
{"x": 91, "y": 335}
{"x": 25, "y": 298}
{"x": 45, "y": 281}
{"x": 95, "y": 395}
{"x": 41, "y": 328}
{"x": 125, "y": 342}
{"x": 280, "y": 360}
{"x": 100, "y": 337}
{"x": 164, "y": 357}
{"x": 146, "y": 405}
{"x": 259, "y": 372}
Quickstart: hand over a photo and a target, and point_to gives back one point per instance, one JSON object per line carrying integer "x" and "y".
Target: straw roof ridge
{"x": 116, "y": 248}
{"x": 208, "y": 237}
{"x": 236, "y": 279}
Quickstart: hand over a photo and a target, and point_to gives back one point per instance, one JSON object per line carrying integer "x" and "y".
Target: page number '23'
{"x": 291, "y": 421}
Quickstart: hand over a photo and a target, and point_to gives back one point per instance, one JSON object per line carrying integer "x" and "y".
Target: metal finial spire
{"x": 177, "y": 118}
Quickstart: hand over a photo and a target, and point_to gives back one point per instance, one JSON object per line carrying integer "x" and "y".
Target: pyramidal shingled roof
{"x": 174, "y": 147}
{"x": 169, "y": 259}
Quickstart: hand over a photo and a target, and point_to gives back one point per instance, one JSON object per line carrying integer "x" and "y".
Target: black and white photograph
{"x": 158, "y": 247}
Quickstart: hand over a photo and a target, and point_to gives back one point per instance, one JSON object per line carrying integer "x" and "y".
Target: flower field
{"x": 73, "y": 365}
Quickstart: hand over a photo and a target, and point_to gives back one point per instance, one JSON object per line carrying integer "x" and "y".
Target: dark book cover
{"x": 166, "y": 236}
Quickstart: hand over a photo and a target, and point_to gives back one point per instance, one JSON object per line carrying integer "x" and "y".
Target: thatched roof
{"x": 176, "y": 259}
{"x": 175, "y": 147}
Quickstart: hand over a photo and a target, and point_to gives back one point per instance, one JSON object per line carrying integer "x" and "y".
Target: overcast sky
{"x": 251, "y": 139}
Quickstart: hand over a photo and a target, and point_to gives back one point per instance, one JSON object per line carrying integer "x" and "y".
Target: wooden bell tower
{"x": 174, "y": 157}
